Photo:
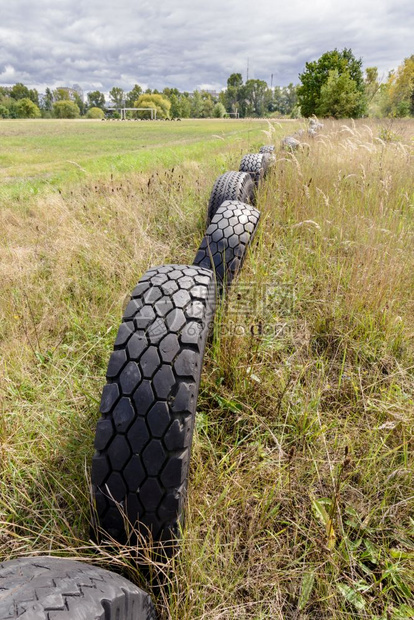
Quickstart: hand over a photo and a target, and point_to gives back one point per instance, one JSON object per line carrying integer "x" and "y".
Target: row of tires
{"x": 139, "y": 119}
{"x": 144, "y": 435}
{"x": 143, "y": 439}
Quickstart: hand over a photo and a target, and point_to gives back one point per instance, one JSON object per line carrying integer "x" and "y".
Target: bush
{"x": 296, "y": 113}
{"x": 66, "y": 109}
{"x": 95, "y": 113}
{"x": 160, "y": 103}
{"x": 27, "y": 109}
{"x": 403, "y": 109}
{"x": 219, "y": 110}
{"x": 4, "y": 113}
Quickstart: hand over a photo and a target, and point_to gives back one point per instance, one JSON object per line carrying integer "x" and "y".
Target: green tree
{"x": 373, "y": 91}
{"x": 284, "y": 100}
{"x": 11, "y": 105}
{"x": 160, "y": 103}
{"x": 317, "y": 73}
{"x": 133, "y": 95}
{"x": 185, "y": 104}
{"x": 232, "y": 96}
{"x": 4, "y": 113}
{"x": 61, "y": 94}
{"x": 79, "y": 102}
{"x": 290, "y": 98}
{"x": 19, "y": 91}
{"x": 371, "y": 82}
{"x": 208, "y": 105}
{"x": 339, "y": 96}
{"x": 117, "y": 96}
{"x": 219, "y": 110}
{"x": 176, "y": 110}
{"x": 47, "y": 103}
{"x": 197, "y": 105}
{"x": 399, "y": 100}
{"x": 66, "y": 109}
{"x": 95, "y": 113}
{"x": 96, "y": 99}
{"x": 34, "y": 96}
{"x": 235, "y": 80}
{"x": 27, "y": 109}
{"x": 4, "y": 91}
{"x": 168, "y": 92}
{"x": 256, "y": 97}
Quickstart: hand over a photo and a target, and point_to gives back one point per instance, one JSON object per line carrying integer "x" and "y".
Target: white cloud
{"x": 186, "y": 43}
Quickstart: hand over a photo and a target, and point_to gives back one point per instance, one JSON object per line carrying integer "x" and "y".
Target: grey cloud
{"x": 186, "y": 43}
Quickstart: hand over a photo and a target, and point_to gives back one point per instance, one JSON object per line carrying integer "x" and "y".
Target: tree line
{"x": 334, "y": 85}
{"x": 253, "y": 98}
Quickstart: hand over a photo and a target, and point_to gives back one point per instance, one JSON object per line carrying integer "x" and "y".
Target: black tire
{"x": 46, "y": 588}
{"x": 231, "y": 186}
{"x": 269, "y": 148}
{"x": 143, "y": 439}
{"x": 256, "y": 164}
{"x": 224, "y": 245}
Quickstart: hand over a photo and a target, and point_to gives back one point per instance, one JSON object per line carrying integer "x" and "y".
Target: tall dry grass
{"x": 301, "y": 494}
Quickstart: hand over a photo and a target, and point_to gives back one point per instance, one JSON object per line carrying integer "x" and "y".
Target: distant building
{"x": 213, "y": 93}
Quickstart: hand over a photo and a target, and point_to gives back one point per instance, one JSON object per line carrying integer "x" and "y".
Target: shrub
{"x": 160, "y": 103}
{"x": 66, "y": 109}
{"x": 95, "y": 113}
{"x": 219, "y": 110}
{"x": 27, "y": 109}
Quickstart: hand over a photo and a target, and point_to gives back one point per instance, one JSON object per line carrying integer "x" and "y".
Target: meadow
{"x": 301, "y": 498}
{"x": 37, "y": 154}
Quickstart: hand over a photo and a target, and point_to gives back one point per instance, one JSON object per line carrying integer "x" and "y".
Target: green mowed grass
{"x": 39, "y": 153}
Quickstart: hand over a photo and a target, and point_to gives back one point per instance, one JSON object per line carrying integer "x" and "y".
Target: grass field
{"x": 37, "y": 154}
{"x": 301, "y": 500}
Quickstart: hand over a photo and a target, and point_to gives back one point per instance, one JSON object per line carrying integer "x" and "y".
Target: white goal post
{"x": 123, "y": 111}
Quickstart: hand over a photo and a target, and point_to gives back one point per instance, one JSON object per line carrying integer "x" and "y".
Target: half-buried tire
{"x": 143, "y": 439}
{"x": 47, "y": 588}
{"x": 256, "y": 164}
{"x": 224, "y": 245}
{"x": 231, "y": 186}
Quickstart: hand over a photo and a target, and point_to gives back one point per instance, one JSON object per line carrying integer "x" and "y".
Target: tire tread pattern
{"x": 256, "y": 164}
{"x": 223, "y": 248}
{"x": 231, "y": 186}
{"x": 267, "y": 148}
{"x": 49, "y": 588}
{"x": 143, "y": 439}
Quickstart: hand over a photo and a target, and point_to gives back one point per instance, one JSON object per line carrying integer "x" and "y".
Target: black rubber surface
{"x": 268, "y": 148}
{"x": 45, "y": 588}
{"x": 256, "y": 164}
{"x": 224, "y": 245}
{"x": 143, "y": 439}
{"x": 231, "y": 186}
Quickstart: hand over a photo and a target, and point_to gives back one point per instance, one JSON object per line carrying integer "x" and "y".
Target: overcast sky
{"x": 191, "y": 44}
